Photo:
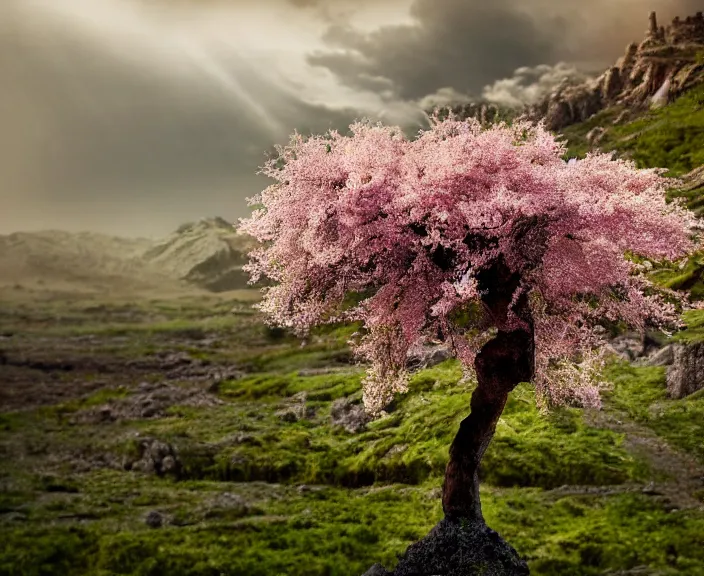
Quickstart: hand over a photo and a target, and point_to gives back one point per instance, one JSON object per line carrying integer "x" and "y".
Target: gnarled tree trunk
{"x": 501, "y": 365}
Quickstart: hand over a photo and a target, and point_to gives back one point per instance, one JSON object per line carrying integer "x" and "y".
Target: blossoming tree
{"x": 483, "y": 238}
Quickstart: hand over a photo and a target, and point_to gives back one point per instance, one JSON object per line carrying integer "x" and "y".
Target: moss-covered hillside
{"x": 669, "y": 137}
{"x": 184, "y": 438}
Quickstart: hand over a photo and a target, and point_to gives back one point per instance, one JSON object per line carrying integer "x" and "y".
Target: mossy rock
{"x": 454, "y": 548}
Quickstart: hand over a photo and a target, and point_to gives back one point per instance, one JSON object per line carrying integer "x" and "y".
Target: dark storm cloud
{"x": 468, "y": 44}
{"x": 454, "y": 44}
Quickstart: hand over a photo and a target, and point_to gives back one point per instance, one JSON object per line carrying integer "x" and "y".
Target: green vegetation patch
{"x": 641, "y": 393}
{"x": 254, "y": 436}
{"x": 669, "y": 137}
{"x": 329, "y": 531}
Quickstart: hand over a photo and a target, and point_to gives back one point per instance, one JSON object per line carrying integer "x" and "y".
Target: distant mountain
{"x": 70, "y": 261}
{"x": 207, "y": 254}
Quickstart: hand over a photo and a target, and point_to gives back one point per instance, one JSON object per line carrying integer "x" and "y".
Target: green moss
{"x": 46, "y": 551}
{"x": 247, "y": 441}
{"x": 66, "y": 507}
{"x": 689, "y": 278}
{"x": 583, "y": 535}
{"x": 274, "y": 385}
{"x": 669, "y": 137}
{"x": 531, "y": 449}
{"x": 342, "y": 532}
{"x": 576, "y": 134}
{"x": 694, "y": 332}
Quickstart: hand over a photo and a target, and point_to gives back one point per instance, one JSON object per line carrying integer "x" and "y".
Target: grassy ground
{"x": 258, "y": 491}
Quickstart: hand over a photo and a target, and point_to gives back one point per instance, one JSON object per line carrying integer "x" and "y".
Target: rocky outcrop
{"x": 640, "y": 348}
{"x": 295, "y": 409}
{"x": 485, "y": 112}
{"x": 664, "y": 357}
{"x": 149, "y": 400}
{"x": 685, "y": 375}
{"x": 458, "y": 549}
{"x": 666, "y": 63}
{"x": 153, "y": 456}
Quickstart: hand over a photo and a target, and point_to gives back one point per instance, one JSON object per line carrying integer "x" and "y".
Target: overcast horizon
{"x": 130, "y": 117}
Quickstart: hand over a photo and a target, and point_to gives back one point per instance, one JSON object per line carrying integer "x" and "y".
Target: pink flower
{"x": 413, "y": 223}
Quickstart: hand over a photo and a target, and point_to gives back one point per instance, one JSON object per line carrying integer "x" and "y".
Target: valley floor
{"x": 182, "y": 437}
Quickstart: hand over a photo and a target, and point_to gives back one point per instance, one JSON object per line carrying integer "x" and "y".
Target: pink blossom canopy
{"x": 408, "y": 225}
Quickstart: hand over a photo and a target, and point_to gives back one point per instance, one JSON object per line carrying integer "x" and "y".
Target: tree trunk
{"x": 501, "y": 365}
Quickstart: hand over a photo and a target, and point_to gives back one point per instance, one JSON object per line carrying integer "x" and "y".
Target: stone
{"x": 154, "y": 457}
{"x": 377, "y": 570}
{"x": 168, "y": 465}
{"x": 295, "y": 409}
{"x": 628, "y": 346}
{"x": 595, "y": 135}
{"x": 621, "y": 117}
{"x": 663, "y": 357}
{"x": 685, "y": 375}
{"x": 612, "y": 84}
{"x": 289, "y": 415}
{"x": 154, "y": 519}
{"x": 305, "y": 489}
{"x": 349, "y": 414}
{"x": 149, "y": 400}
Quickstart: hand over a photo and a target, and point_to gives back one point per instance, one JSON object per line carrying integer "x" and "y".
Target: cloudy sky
{"x": 132, "y": 116}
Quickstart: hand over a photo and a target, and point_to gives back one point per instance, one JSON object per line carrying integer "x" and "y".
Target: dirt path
{"x": 680, "y": 478}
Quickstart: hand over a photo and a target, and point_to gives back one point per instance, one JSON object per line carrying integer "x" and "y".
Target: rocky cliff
{"x": 667, "y": 62}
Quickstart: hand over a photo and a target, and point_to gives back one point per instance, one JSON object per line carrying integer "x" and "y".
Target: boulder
{"x": 153, "y": 456}
{"x": 685, "y": 375}
{"x": 628, "y": 346}
{"x": 154, "y": 519}
{"x": 427, "y": 356}
{"x": 349, "y": 414}
{"x": 295, "y": 409}
{"x": 663, "y": 357}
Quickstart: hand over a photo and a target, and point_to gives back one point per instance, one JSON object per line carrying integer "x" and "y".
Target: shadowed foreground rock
{"x": 452, "y": 549}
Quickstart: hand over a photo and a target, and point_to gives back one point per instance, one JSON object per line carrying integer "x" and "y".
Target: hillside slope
{"x": 668, "y": 62}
